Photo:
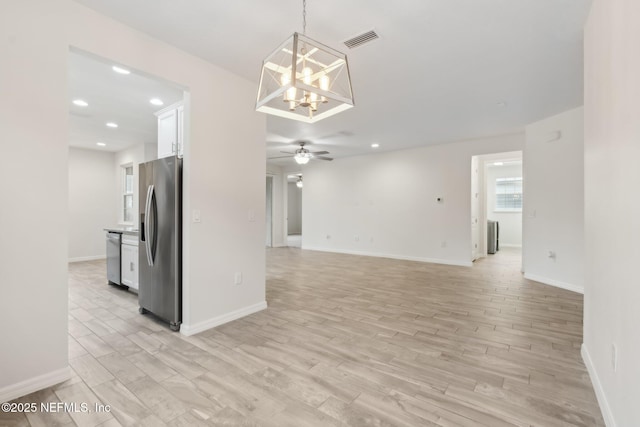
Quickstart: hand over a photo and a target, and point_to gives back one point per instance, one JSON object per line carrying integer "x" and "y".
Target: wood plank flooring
{"x": 346, "y": 341}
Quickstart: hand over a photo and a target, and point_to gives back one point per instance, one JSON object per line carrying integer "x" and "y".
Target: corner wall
{"x": 385, "y": 204}
{"x": 35, "y": 212}
{"x": 553, "y": 218}
{"x": 612, "y": 207}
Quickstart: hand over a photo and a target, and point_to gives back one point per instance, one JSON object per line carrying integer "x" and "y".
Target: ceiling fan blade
{"x": 278, "y": 157}
{"x": 323, "y": 158}
{"x": 288, "y": 152}
{"x": 319, "y": 152}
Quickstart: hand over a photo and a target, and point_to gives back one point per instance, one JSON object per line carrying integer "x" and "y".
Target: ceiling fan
{"x": 302, "y": 155}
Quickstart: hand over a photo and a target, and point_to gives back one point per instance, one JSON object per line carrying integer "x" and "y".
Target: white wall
{"x": 385, "y": 204}
{"x": 553, "y": 201}
{"x": 612, "y": 207}
{"x": 294, "y": 209}
{"x": 510, "y": 222}
{"x": 222, "y": 123}
{"x": 92, "y": 182}
{"x": 34, "y": 193}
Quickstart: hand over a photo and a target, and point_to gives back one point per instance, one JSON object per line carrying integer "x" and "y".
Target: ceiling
{"x": 113, "y": 97}
{"x": 442, "y": 70}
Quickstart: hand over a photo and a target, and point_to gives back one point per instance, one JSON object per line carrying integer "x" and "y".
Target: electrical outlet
{"x": 552, "y": 255}
{"x": 196, "y": 215}
{"x": 237, "y": 278}
{"x": 443, "y": 244}
{"x": 356, "y": 238}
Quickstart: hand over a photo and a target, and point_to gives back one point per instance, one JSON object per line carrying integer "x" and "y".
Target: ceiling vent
{"x": 361, "y": 39}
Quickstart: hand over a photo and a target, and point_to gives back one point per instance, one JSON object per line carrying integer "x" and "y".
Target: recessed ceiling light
{"x": 498, "y": 164}
{"x": 156, "y": 101}
{"x": 112, "y": 125}
{"x": 120, "y": 70}
{"x": 80, "y": 103}
{"x": 101, "y": 144}
{"x": 375, "y": 145}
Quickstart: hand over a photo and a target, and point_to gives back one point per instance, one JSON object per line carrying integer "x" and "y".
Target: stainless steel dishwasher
{"x": 113, "y": 257}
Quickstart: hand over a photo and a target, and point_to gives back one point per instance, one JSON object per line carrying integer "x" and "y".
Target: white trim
{"x": 556, "y": 283}
{"x": 40, "y": 382}
{"x": 189, "y": 330}
{"x": 392, "y": 256}
{"x": 87, "y": 258}
{"x": 597, "y": 387}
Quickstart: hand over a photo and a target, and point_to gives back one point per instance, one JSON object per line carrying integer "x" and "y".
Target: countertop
{"x": 133, "y": 231}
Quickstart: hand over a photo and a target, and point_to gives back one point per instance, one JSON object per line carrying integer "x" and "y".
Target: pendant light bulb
{"x": 306, "y": 75}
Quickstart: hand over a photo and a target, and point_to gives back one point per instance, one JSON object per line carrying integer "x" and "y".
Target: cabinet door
{"x": 133, "y": 266}
{"x": 180, "y": 130}
{"x": 167, "y": 133}
{"x": 128, "y": 259}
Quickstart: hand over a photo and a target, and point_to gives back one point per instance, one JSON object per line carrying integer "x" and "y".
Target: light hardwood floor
{"x": 346, "y": 340}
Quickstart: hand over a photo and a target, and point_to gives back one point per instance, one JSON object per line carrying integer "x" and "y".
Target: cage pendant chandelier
{"x": 304, "y": 80}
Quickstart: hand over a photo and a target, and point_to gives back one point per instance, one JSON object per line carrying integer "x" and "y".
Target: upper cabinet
{"x": 170, "y": 130}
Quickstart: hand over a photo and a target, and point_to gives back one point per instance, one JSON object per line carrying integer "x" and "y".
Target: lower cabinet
{"x": 129, "y": 261}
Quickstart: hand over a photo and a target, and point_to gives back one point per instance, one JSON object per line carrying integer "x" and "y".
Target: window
{"x": 509, "y": 194}
{"x": 127, "y": 194}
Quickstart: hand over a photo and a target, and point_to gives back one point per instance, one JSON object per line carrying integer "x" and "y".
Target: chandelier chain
{"x": 304, "y": 17}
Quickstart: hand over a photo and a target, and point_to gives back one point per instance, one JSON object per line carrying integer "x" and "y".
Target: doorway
{"x": 294, "y": 210}
{"x": 497, "y": 192}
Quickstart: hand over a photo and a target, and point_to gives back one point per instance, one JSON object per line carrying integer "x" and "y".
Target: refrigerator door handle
{"x": 147, "y": 215}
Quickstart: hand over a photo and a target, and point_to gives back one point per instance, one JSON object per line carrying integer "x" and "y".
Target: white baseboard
{"x": 597, "y": 387}
{"x": 392, "y": 256}
{"x": 556, "y": 283}
{"x": 189, "y": 330}
{"x": 40, "y": 382}
{"x": 87, "y": 258}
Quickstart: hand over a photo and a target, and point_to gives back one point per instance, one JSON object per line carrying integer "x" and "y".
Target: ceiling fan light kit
{"x": 302, "y": 156}
{"x": 304, "y": 80}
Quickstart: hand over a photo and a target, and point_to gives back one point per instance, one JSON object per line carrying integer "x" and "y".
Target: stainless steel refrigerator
{"x": 160, "y": 246}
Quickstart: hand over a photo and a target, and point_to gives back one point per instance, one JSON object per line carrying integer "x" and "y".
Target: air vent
{"x": 361, "y": 39}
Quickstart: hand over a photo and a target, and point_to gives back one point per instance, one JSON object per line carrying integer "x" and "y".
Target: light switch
{"x": 196, "y": 215}
{"x": 252, "y": 215}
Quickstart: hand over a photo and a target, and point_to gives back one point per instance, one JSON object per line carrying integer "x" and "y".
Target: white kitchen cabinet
{"x": 129, "y": 261}
{"x": 170, "y": 130}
